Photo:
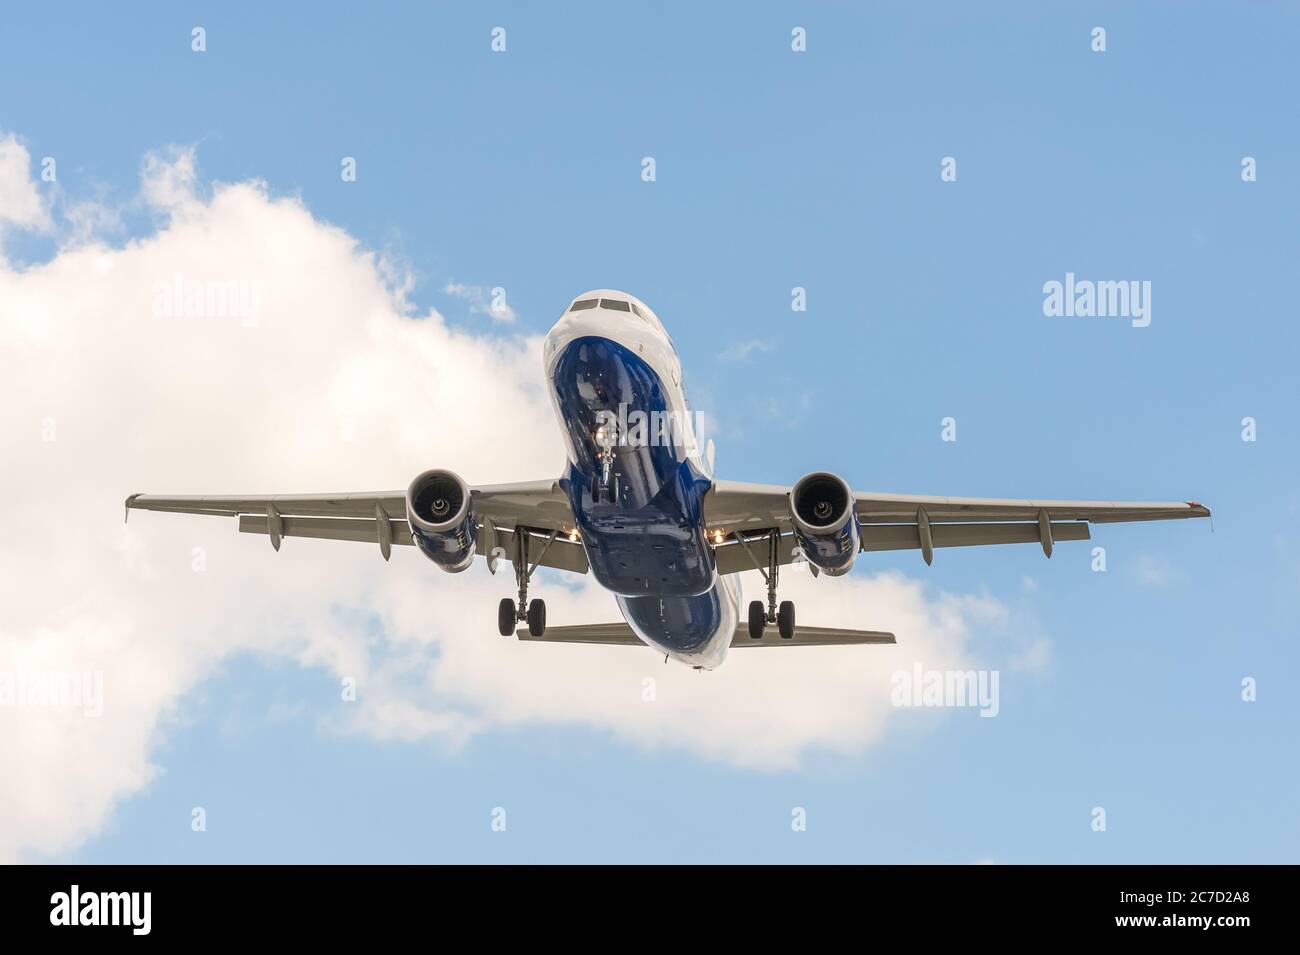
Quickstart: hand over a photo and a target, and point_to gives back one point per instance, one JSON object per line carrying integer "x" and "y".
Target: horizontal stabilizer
{"x": 608, "y": 634}
{"x": 811, "y": 637}
{"x": 620, "y": 634}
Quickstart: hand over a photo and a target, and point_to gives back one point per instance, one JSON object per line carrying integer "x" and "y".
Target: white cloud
{"x": 87, "y": 221}
{"x": 336, "y": 387}
{"x": 21, "y": 203}
{"x": 168, "y": 178}
{"x": 741, "y": 351}
{"x": 1153, "y": 571}
{"x": 483, "y": 301}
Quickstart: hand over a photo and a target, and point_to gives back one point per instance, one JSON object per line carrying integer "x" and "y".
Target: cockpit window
{"x": 578, "y": 306}
{"x": 615, "y": 304}
{"x": 636, "y": 311}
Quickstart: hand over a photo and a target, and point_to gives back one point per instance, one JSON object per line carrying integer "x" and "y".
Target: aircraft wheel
{"x": 537, "y": 617}
{"x": 785, "y": 619}
{"x": 506, "y": 616}
{"x": 757, "y": 619}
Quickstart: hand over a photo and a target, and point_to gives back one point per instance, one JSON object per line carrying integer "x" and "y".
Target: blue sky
{"x": 778, "y": 169}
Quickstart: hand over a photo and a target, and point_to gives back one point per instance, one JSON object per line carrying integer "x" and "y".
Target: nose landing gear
{"x": 758, "y": 617}
{"x": 532, "y": 613}
{"x": 604, "y": 483}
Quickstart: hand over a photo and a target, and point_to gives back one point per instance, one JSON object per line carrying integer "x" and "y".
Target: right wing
{"x": 918, "y": 522}
{"x": 538, "y": 507}
{"x": 622, "y": 635}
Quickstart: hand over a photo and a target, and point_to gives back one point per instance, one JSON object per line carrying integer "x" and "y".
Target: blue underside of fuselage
{"x": 647, "y": 544}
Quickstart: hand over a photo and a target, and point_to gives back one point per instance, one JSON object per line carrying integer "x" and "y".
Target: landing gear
{"x": 604, "y": 483}
{"x": 758, "y": 617}
{"x": 537, "y": 618}
{"x": 506, "y": 616}
{"x": 510, "y": 613}
{"x": 785, "y": 620}
{"x": 604, "y": 486}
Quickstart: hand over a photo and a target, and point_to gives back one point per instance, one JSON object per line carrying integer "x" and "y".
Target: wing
{"x": 537, "y": 508}
{"x": 918, "y": 522}
{"x": 622, "y": 635}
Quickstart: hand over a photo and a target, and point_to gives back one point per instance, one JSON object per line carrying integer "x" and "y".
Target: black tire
{"x": 785, "y": 619}
{"x": 757, "y": 619}
{"x": 506, "y": 616}
{"x": 537, "y": 617}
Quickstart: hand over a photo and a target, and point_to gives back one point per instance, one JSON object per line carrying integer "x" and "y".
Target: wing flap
{"x": 732, "y": 558}
{"x": 327, "y": 528}
{"x": 877, "y": 537}
{"x": 562, "y": 554}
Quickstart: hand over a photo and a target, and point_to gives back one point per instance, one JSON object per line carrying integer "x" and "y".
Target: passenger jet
{"x": 639, "y": 509}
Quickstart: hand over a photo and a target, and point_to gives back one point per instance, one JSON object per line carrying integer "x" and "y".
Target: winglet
{"x": 1199, "y": 509}
{"x": 127, "y": 510}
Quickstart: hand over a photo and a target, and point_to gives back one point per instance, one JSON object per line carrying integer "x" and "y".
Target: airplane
{"x": 639, "y": 509}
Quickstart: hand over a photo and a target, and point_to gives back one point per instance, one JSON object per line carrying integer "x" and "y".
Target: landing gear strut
{"x": 534, "y": 613}
{"x": 758, "y": 617}
{"x": 604, "y": 483}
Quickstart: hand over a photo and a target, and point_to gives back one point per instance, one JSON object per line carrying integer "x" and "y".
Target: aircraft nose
{"x": 594, "y": 373}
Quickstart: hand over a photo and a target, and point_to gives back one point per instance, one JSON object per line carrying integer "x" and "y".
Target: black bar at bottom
{"x": 179, "y": 904}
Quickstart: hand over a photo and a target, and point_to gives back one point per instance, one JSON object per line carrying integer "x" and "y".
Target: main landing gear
{"x": 533, "y": 613}
{"x": 759, "y": 617}
{"x": 508, "y": 616}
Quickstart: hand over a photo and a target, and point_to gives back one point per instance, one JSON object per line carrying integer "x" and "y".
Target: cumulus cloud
{"x": 168, "y": 178}
{"x": 483, "y": 301}
{"x": 146, "y": 366}
{"x": 21, "y": 203}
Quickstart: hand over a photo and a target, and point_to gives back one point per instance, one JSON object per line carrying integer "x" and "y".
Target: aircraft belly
{"x": 639, "y": 507}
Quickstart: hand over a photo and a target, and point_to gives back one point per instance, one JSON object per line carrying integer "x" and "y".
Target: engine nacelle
{"x": 442, "y": 525}
{"x": 825, "y": 525}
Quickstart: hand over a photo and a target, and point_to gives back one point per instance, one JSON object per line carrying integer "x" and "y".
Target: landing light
{"x": 717, "y": 536}
{"x": 573, "y": 534}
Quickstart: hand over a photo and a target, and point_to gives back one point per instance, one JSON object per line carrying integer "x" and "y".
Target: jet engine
{"x": 442, "y": 523}
{"x": 825, "y": 525}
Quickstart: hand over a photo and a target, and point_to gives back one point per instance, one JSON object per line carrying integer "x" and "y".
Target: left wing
{"x": 379, "y": 517}
{"x": 622, "y": 635}
{"x": 920, "y": 522}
